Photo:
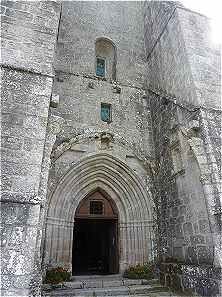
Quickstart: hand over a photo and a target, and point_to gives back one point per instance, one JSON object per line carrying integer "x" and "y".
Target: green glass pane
{"x": 100, "y": 67}
{"x": 105, "y": 113}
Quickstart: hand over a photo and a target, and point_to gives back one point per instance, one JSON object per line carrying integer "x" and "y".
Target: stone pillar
{"x": 29, "y": 31}
{"x": 136, "y": 243}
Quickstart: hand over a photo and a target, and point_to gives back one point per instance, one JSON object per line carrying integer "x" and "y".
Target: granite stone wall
{"x": 81, "y": 92}
{"x": 83, "y": 22}
{"x": 187, "y": 199}
{"x": 165, "y": 129}
{"x": 204, "y": 57}
{"x": 167, "y": 62}
{"x": 29, "y": 32}
{"x": 182, "y": 59}
{"x": 184, "y": 98}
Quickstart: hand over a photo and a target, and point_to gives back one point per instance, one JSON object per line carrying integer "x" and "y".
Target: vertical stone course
{"x": 27, "y": 56}
{"x": 81, "y": 94}
{"x": 204, "y": 57}
{"x": 24, "y": 42}
{"x": 84, "y": 22}
{"x": 188, "y": 239}
{"x": 188, "y": 66}
{"x": 156, "y": 16}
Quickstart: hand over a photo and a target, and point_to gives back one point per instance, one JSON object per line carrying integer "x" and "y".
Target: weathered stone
{"x": 205, "y": 254}
{"x": 162, "y": 279}
{"x": 204, "y": 226}
{"x": 178, "y": 231}
{"x": 188, "y": 229}
{"x": 197, "y": 239}
{"x": 175, "y": 212}
{"x": 168, "y": 281}
{"x": 178, "y": 253}
{"x": 54, "y": 102}
{"x": 157, "y": 159}
{"x": 189, "y": 282}
{"x": 191, "y": 255}
{"x": 215, "y": 272}
{"x": 207, "y": 287}
{"x": 176, "y": 282}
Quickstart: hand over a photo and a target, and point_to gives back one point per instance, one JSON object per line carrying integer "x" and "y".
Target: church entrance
{"x": 100, "y": 193}
{"x": 95, "y": 237}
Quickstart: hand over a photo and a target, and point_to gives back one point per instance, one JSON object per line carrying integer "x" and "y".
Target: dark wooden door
{"x": 95, "y": 246}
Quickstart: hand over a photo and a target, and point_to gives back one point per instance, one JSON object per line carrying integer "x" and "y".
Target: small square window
{"x": 100, "y": 67}
{"x": 96, "y": 207}
{"x": 106, "y": 112}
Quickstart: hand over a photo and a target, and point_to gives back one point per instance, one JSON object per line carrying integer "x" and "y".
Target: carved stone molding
{"x": 104, "y": 136}
{"x": 55, "y": 124}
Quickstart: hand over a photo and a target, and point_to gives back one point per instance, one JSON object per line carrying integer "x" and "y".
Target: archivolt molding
{"x": 106, "y": 172}
{"x": 91, "y": 135}
{"x": 119, "y": 183}
{"x": 208, "y": 170}
{"x": 197, "y": 146}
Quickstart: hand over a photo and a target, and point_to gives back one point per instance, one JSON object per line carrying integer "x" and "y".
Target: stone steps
{"x": 109, "y": 291}
{"x": 117, "y": 286}
{"x": 103, "y": 283}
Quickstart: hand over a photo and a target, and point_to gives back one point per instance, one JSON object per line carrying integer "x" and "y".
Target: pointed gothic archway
{"x": 127, "y": 191}
{"x": 95, "y": 236}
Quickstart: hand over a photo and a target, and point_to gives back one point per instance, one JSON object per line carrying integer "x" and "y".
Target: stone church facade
{"x": 111, "y": 120}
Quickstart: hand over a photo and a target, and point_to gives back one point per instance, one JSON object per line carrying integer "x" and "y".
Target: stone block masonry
{"x": 29, "y": 31}
{"x": 186, "y": 128}
{"x": 159, "y": 158}
{"x": 187, "y": 199}
{"x": 127, "y": 137}
{"x": 187, "y": 66}
{"x": 28, "y": 34}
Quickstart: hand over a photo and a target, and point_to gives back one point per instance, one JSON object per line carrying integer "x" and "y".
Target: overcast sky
{"x": 210, "y": 8}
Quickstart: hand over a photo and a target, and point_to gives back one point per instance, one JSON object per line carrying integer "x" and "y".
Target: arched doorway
{"x": 121, "y": 185}
{"x": 95, "y": 244}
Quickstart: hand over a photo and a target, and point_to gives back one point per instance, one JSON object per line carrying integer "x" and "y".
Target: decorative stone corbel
{"x": 194, "y": 124}
{"x": 193, "y": 128}
{"x": 174, "y": 125}
{"x": 91, "y": 85}
{"x": 55, "y": 124}
{"x": 164, "y": 101}
{"x": 116, "y": 88}
{"x": 106, "y": 138}
{"x": 54, "y": 101}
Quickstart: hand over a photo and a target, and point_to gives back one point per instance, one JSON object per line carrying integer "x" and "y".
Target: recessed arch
{"x": 107, "y": 39}
{"x": 123, "y": 186}
{"x": 106, "y": 58}
{"x": 110, "y": 210}
{"x": 95, "y": 235}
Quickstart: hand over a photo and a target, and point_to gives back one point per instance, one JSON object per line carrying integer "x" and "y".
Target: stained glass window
{"x": 100, "y": 67}
{"x": 96, "y": 207}
{"x": 105, "y": 112}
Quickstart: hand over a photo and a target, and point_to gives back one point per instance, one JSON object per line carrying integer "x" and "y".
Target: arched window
{"x": 105, "y": 58}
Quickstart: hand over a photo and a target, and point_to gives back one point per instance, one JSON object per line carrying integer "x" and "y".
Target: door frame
{"x": 115, "y": 223}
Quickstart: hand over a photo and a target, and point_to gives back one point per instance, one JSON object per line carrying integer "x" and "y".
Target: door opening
{"x": 94, "y": 249}
{"x": 95, "y": 237}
